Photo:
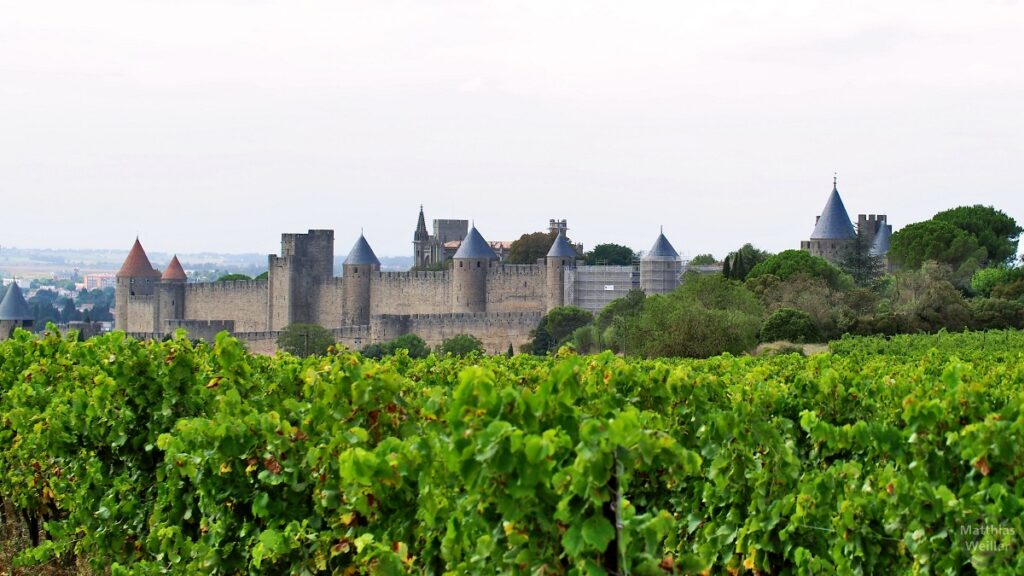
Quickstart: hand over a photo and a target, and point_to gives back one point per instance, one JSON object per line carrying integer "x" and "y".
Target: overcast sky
{"x": 211, "y": 125}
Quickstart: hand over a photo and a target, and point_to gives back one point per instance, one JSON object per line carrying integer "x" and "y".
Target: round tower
{"x": 358, "y": 271}
{"x": 660, "y": 268}
{"x": 137, "y": 277}
{"x": 171, "y": 290}
{"x": 14, "y": 312}
{"x": 471, "y": 264}
{"x": 560, "y": 257}
{"x": 833, "y": 230}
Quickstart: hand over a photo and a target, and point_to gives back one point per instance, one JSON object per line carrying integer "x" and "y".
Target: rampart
{"x": 329, "y": 301}
{"x": 516, "y": 288}
{"x": 410, "y": 293}
{"x": 495, "y": 330}
{"x": 200, "y": 329}
{"x": 244, "y": 301}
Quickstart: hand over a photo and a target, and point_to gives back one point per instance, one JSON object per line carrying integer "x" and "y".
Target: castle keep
{"x": 476, "y": 294}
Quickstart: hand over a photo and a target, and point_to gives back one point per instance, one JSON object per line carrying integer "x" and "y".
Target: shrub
{"x": 461, "y": 345}
{"x": 790, "y": 325}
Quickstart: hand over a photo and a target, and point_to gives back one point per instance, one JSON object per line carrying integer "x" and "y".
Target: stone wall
{"x": 495, "y": 330}
{"x": 516, "y": 288}
{"x": 140, "y": 313}
{"x": 200, "y": 329}
{"x": 245, "y": 302}
{"x": 329, "y": 298}
{"x": 410, "y": 293}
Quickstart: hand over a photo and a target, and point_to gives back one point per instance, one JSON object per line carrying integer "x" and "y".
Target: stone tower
{"x": 171, "y": 295}
{"x": 136, "y": 278}
{"x": 660, "y": 268}
{"x": 472, "y": 262}
{"x": 560, "y": 257}
{"x": 14, "y": 312}
{"x": 833, "y": 230}
{"x": 293, "y": 277}
{"x": 358, "y": 272}
{"x": 421, "y": 243}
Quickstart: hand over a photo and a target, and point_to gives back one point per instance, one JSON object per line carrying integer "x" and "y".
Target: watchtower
{"x": 560, "y": 257}
{"x": 137, "y": 277}
{"x": 14, "y": 312}
{"x": 472, "y": 262}
{"x": 660, "y": 267}
{"x": 171, "y": 295}
{"x": 358, "y": 271}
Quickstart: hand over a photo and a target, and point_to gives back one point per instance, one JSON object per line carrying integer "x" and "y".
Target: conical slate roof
{"x": 834, "y": 223}
{"x": 561, "y": 248}
{"x": 361, "y": 253}
{"x": 474, "y": 247}
{"x": 880, "y": 246}
{"x": 174, "y": 272}
{"x": 662, "y": 250}
{"x": 137, "y": 264}
{"x": 14, "y": 306}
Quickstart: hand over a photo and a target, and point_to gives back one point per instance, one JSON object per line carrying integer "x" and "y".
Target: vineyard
{"x": 882, "y": 457}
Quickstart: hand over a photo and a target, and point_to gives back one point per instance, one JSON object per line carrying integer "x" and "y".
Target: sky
{"x": 215, "y": 125}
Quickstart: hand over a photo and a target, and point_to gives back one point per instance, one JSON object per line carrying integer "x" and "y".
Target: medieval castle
{"x": 472, "y": 292}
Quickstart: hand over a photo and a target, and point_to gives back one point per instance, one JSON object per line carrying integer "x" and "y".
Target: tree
{"x": 738, "y": 264}
{"x": 790, "y": 325}
{"x": 857, "y": 260}
{"x": 706, "y": 316}
{"x": 233, "y": 277}
{"x": 792, "y": 262}
{"x": 556, "y": 327}
{"x": 305, "y": 340}
{"x": 937, "y": 241}
{"x": 830, "y": 308}
{"x": 265, "y": 275}
{"x": 992, "y": 229}
{"x": 626, "y": 307}
{"x": 611, "y": 254}
{"x": 69, "y": 313}
{"x": 529, "y": 247}
{"x": 702, "y": 260}
{"x": 929, "y": 300}
{"x": 461, "y": 345}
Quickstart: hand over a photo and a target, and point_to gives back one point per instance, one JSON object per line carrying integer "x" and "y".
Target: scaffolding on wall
{"x": 593, "y": 287}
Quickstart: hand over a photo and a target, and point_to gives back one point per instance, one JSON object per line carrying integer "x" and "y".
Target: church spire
{"x": 421, "y": 228}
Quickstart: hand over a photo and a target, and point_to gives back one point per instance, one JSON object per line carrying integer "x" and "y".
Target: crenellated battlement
{"x": 226, "y": 286}
{"x": 516, "y": 270}
{"x": 413, "y": 275}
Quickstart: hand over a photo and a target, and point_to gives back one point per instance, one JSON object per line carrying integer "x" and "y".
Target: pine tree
{"x": 726, "y": 268}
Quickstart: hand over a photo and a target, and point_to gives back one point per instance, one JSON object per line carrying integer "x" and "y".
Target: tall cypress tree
{"x": 857, "y": 261}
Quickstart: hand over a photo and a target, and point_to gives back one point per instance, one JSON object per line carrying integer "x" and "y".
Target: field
{"x": 881, "y": 457}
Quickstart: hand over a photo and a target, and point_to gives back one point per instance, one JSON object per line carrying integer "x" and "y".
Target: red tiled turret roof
{"x": 137, "y": 264}
{"x": 174, "y": 271}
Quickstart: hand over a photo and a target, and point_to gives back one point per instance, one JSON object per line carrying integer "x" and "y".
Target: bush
{"x": 305, "y": 340}
{"x": 790, "y": 325}
{"x": 415, "y": 346}
{"x": 461, "y": 345}
{"x": 993, "y": 313}
{"x": 1010, "y": 291}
